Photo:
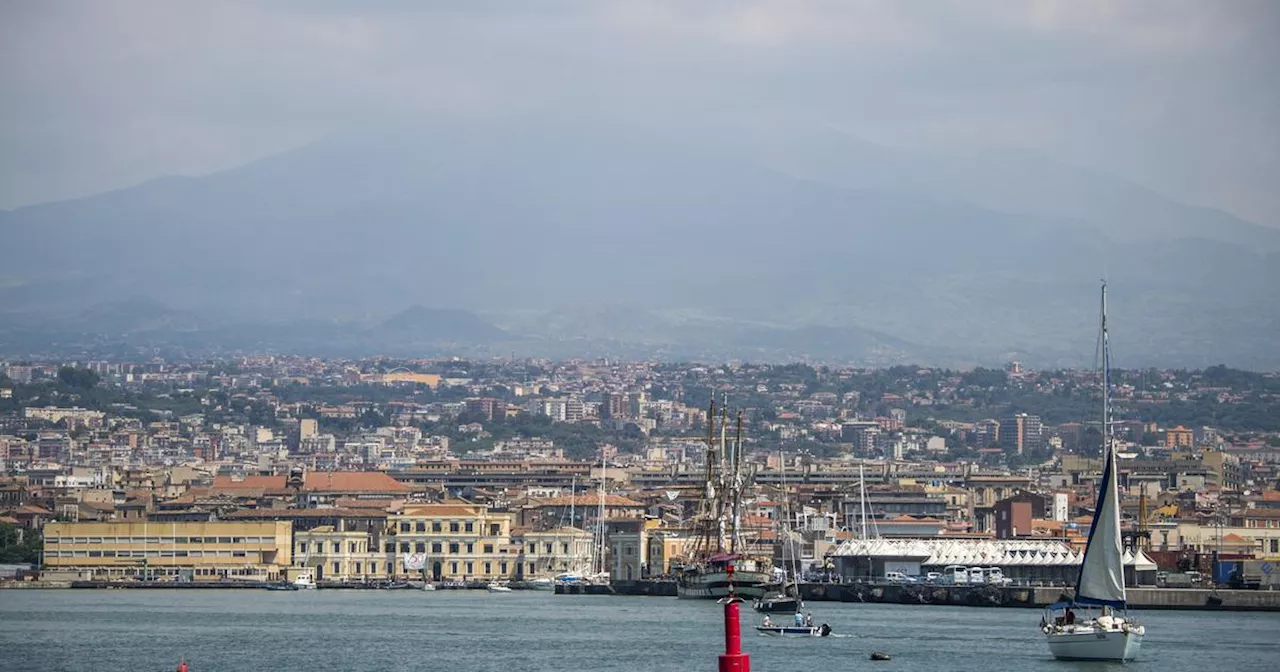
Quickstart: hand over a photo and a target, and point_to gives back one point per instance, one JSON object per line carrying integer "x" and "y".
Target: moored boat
{"x": 719, "y": 563}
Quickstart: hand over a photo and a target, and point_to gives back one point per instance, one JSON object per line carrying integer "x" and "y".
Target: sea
{"x": 376, "y": 631}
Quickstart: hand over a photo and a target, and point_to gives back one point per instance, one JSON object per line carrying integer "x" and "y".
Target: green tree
{"x": 77, "y": 378}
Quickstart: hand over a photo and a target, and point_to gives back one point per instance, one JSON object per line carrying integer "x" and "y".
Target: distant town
{"x": 264, "y": 469}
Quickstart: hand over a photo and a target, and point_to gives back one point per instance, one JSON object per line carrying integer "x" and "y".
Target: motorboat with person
{"x": 802, "y": 625}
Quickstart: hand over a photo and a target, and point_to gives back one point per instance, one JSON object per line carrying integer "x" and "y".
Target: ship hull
{"x": 1095, "y": 645}
{"x": 715, "y": 585}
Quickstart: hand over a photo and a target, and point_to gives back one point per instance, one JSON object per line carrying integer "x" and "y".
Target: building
{"x": 1179, "y": 437}
{"x": 54, "y": 414}
{"x": 333, "y": 554}
{"x": 460, "y": 541}
{"x": 1021, "y": 432}
{"x": 195, "y": 551}
{"x": 613, "y": 405}
{"x": 986, "y": 433}
{"x": 552, "y": 552}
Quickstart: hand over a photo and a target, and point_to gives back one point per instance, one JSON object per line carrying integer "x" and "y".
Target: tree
{"x": 77, "y": 378}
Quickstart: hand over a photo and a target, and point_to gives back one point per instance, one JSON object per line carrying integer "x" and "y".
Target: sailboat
{"x": 718, "y": 564}
{"x": 788, "y": 599}
{"x": 1105, "y": 632}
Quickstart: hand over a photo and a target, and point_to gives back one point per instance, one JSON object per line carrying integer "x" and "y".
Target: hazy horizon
{"x": 872, "y": 181}
{"x": 1175, "y": 96}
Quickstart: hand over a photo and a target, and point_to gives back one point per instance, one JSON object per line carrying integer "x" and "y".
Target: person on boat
{"x": 808, "y": 620}
{"x": 768, "y": 622}
{"x": 1071, "y": 617}
{"x": 799, "y": 620}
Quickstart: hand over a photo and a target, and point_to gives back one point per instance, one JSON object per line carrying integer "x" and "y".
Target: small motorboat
{"x": 498, "y": 588}
{"x": 794, "y": 630}
{"x": 282, "y": 586}
{"x": 428, "y": 586}
{"x": 542, "y": 583}
{"x": 304, "y": 582}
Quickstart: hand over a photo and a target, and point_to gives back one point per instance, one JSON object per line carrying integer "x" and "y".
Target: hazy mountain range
{"x": 750, "y": 242}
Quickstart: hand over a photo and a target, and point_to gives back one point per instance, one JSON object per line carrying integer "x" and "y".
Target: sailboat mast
{"x": 1106, "y": 380}
{"x": 862, "y": 497}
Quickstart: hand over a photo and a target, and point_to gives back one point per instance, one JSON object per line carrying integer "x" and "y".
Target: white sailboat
{"x": 1105, "y": 632}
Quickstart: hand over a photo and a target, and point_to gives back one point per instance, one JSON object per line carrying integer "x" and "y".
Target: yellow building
{"x": 332, "y": 555}
{"x": 199, "y": 551}
{"x": 459, "y": 541}
{"x": 549, "y": 553}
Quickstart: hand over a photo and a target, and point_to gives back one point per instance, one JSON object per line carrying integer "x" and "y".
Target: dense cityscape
{"x": 261, "y": 469}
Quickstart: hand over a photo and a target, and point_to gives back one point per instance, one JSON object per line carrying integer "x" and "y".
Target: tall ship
{"x": 719, "y": 543}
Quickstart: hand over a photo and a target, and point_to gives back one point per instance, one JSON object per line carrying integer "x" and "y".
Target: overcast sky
{"x": 1180, "y": 96}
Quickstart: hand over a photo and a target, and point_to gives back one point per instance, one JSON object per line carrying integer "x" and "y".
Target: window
{"x": 404, "y": 547}
{"x": 237, "y": 554}
{"x": 564, "y": 547}
{"x": 549, "y": 547}
{"x": 495, "y": 529}
{"x": 533, "y": 547}
{"x": 453, "y": 568}
{"x": 337, "y": 547}
{"x": 435, "y": 526}
{"x": 453, "y": 548}
{"x": 435, "y": 548}
{"x": 351, "y": 547}
{"x": 337, "y": 568}
{"x": 471, "y": 548}
{"x": 420, "y": 547}
{"x": 488, "y": 548}
{"x": 1275, "y": 545}
{"x": 453, "y": 526}
{"x": 390, "y": 547}
{"x": 470, "y": 526}
{"x": 488, "y": 568}
{"x": 421, "y": 526}
{"x": 404, "y": 526}
{"x": 302, "y": 547}
{"x": 471, "y": 568}
{"x": 373, "y": 568}
{"x": 358, "y": 568}
{"x": 531, "y": 568}
{"x": 503, "y": 567}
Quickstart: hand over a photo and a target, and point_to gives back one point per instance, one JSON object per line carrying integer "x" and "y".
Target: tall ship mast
{"x": 717, "y": 535}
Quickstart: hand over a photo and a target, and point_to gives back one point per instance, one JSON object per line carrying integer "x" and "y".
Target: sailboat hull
{"x": 715, "y": 585}
{"x": 1092, "y": 644}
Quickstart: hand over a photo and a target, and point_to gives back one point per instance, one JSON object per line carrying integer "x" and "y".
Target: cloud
{"x": 1175, "y": 94}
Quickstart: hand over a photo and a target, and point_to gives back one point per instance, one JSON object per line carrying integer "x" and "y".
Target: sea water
{"x": 375, "y": 631}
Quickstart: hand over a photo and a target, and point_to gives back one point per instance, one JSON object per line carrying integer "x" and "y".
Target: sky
{"x": 1180, "y": 96}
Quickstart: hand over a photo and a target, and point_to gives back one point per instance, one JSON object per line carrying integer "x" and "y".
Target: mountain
{"x": 434, "y": 325}
{"x": 702, "y": 240}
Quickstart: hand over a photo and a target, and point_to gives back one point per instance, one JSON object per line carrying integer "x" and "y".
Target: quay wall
{"x": 978, "y": 596}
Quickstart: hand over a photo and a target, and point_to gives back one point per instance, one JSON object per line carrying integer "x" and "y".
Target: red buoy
{"x": 733, "y": 659}
{"x": 182, "y": 666}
